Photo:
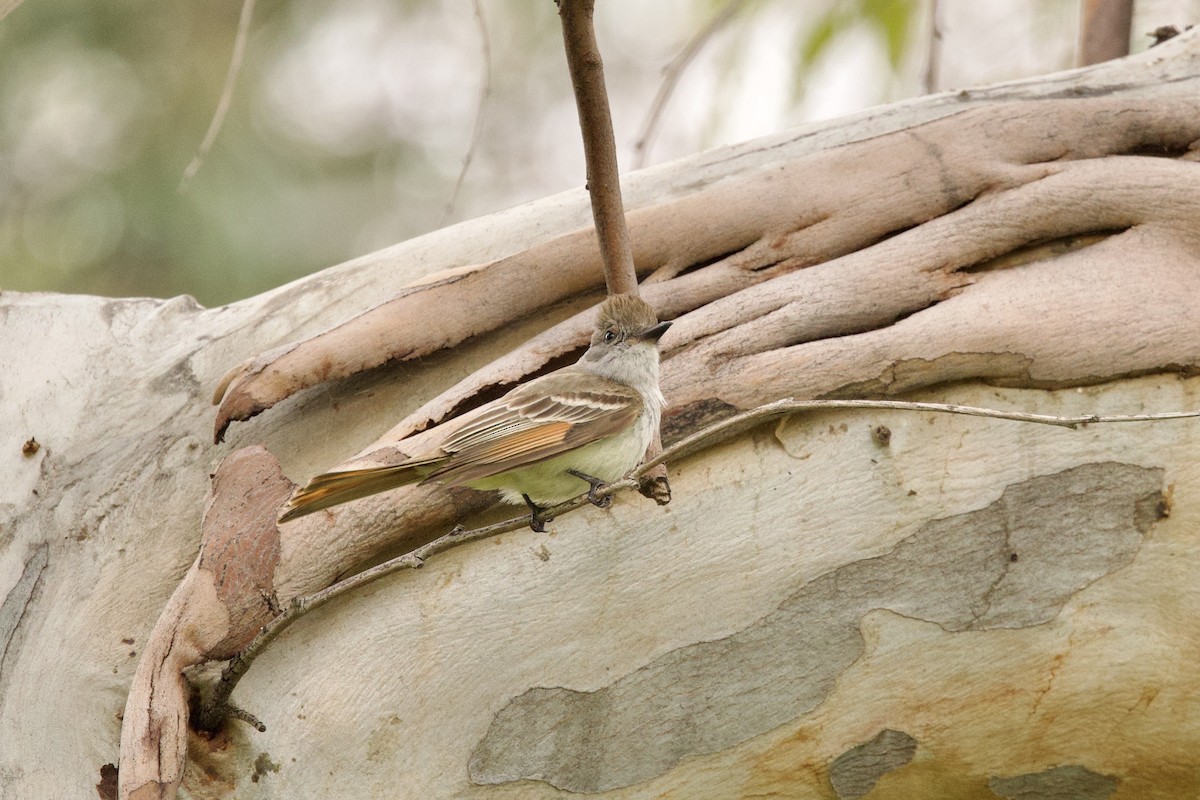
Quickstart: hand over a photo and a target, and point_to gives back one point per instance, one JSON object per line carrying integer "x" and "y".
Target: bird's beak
{"x": 655, "y": 333}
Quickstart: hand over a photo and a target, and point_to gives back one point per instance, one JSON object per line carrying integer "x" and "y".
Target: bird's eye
{"x": 609, "y": 336}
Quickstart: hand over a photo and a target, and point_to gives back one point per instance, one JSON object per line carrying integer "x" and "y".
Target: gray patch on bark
{"x": 179, "y": 378}
{"x": 1071, "y": 782}
{"x": 16, "y": 603}
{"x": 855, "y": 772}
{"x": 679, "y": 421}
{"x": 908, "y": 374}
{"x": 1011, "y": 564}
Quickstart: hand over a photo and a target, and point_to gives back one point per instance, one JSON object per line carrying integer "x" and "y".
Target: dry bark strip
{"x": 224, "y": 599}
{"x": 986, "y": 184}
{"x": 752, "y": 231}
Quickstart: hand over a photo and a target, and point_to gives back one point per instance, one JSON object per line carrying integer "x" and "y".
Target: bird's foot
{"x": 536, "y": 520}
{"x": 595, "y": 485}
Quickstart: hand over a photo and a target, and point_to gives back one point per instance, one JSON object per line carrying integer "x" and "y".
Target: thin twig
{"x": 671, "y": 75}
{"x": 1104, "y": 30}
{"x": 485, "y": 90}
{"x": 934, "y": 58}
{"x": 216, "y": 707}
{"x": 599, "y": 145}
{"x": 738, "y": 422}
{"x": 7, "y": 7}
{"x": 248, "y": 718}
{"x": 235, "y": 66}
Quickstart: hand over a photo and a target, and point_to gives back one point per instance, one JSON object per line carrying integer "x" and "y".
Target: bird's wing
{"x": 538, "y": 420}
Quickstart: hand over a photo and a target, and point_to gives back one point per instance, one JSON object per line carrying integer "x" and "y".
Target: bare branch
{"x": 934, "y": 58}
{"x": 7, "y": 7}
{"x": 235, "y": 66}
{"x": 730, "y": 426}
{"x": 485, "y": 90}
{"x": 1104, "y": 30}
{"x": 671, "y": 75}
{"x": 599, "y": 146}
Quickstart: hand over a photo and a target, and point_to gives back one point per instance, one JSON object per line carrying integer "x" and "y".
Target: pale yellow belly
{"x": 548, "y": 482}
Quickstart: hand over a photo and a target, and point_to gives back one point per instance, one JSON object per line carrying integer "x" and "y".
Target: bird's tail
{"x": 341, "y": 486}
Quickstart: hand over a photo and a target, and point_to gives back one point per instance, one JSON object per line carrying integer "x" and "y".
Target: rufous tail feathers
{"x": 341, "y": 486}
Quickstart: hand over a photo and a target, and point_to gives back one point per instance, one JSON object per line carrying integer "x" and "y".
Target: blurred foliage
{"x": 103, "y": 104}
{"x": 350, "y": 120}
{"x": 891, "y": 19}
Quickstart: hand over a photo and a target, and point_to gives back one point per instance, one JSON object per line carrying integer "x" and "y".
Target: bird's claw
{"x": 595, "y": 486}
{"x": 599, "y": 500}
{"x": 536, "y": 521}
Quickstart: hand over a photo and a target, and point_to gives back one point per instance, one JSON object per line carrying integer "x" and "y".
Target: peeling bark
{"x": 224, "y": 599}
{"x": 976, "y": 186}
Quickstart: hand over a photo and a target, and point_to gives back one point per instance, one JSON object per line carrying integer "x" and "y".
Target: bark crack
{"x": 18, "y": 601}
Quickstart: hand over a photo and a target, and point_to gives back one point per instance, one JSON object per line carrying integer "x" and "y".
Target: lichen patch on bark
{"x": 1011, "y": 564}
{"x": 855, "y": 772}
{"x": 1071, "y": 782}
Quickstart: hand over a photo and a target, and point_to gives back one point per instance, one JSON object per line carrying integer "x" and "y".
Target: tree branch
{"x": 216, "y": 706}
{"x": 1104, "y": 30}
{"x": 599, "y": 146}
{"x": 235, "y": 67}
{"x": 933, "y": 58}
{"x": 485, "y": 89}
{"x": 7, "y": 7}
{"x": 673, "y": 72}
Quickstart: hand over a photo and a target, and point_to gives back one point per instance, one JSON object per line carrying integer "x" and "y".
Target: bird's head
{"x": 626, "y": 325}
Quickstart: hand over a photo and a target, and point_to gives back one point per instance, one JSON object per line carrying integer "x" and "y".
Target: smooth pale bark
{"x": 976, "y": 609}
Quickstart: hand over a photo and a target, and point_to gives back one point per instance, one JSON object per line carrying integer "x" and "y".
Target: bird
{"x": 581, "y": 426}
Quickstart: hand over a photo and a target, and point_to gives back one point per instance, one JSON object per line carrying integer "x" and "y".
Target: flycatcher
{"x": 545, "y": 441}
